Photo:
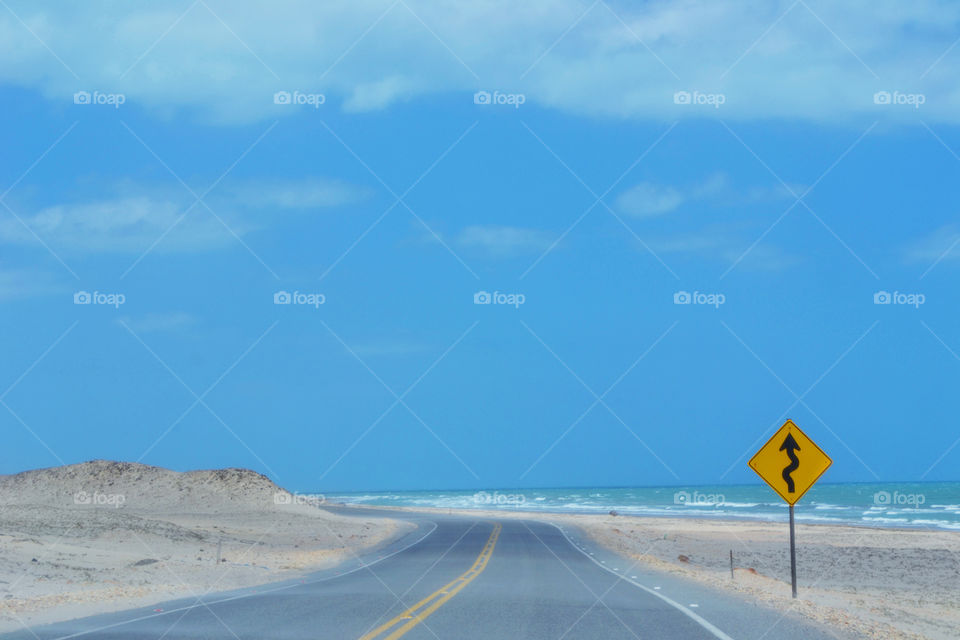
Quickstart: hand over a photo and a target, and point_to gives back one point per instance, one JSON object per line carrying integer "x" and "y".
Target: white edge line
{"x": 673, "y": 603}
{"x": 364, "y": 565}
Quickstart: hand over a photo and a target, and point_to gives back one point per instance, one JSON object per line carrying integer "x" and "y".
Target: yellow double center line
{"x": 423, "y": 609}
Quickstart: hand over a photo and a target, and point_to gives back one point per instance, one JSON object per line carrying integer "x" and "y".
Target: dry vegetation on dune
{"x": 101, "y": 536}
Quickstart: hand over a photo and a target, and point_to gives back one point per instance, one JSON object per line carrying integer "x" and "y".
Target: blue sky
{"x": 783, "y": 209}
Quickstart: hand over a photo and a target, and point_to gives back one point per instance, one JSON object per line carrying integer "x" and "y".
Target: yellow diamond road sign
{"x": 790, "y": 462}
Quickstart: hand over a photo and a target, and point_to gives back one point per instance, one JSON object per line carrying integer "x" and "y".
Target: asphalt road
{"x": 457, "y": 578}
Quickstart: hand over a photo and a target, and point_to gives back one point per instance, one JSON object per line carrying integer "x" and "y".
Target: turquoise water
{"x": 932, "y": 505}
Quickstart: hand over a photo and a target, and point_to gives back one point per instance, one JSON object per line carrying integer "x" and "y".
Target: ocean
{"x": 929, "y": 505}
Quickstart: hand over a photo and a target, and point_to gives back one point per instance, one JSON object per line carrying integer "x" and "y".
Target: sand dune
{"x": 102, "y": 536}
{"x": 139, "y": 487}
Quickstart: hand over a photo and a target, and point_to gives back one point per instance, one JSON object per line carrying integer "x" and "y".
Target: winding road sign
{"x": 790, "y": 462}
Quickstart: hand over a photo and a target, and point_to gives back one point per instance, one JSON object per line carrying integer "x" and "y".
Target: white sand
{"x": 149, "y": 534}
{"x": 878, "y": 583}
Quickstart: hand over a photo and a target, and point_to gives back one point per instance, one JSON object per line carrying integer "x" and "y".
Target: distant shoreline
{"x": 907, "y": 506}
{"x": 539, "y": 513}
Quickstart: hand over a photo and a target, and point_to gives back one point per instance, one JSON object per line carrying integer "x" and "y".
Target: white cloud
{"x": 942, "y": 244}
{"x": 501, "y": 241}
{"x": 294, "y": 194}
{"x": 725, "y": 246}
{"x": 131, "y": 223}
{"x": 372, "y": 96}
{"x": 649, "y": 199}
{"x": 121, "y": 224}
{"x": 26, "y": 283}
{"x": 820, "y": 61}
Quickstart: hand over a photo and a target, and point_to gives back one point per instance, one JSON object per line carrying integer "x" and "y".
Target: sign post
{"x": 805, "y": 463}
{"x": 793, "y": 555}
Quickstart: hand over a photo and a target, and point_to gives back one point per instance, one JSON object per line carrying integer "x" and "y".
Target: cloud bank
{"x": 225, "y": 60}
{"x": 132, "y": 221}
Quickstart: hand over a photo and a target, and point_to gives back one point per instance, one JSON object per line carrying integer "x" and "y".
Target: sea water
{"x": 931, "y": 505}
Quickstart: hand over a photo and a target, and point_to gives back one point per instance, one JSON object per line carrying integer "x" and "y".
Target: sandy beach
{"x": 865, "y": 582}
{"x": 878, "y": 583}
{"x": 105, "y": 536}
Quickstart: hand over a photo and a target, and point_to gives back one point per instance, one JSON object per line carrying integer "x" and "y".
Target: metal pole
{"x": 731, "y": 564}
{"x": 219, "y": 547}
{"x": 793, "y": 555}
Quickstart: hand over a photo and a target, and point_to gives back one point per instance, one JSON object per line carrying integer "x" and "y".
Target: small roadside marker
{"x": 158, "y": 610}
{"x": 657, "y": 588}
{"x": 694, "y": 605}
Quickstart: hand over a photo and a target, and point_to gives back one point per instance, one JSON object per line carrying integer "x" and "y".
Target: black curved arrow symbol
{"x": 790, "y": 445}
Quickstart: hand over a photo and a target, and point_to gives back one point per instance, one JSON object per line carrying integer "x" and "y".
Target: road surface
{"x": 458, "y": 578}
